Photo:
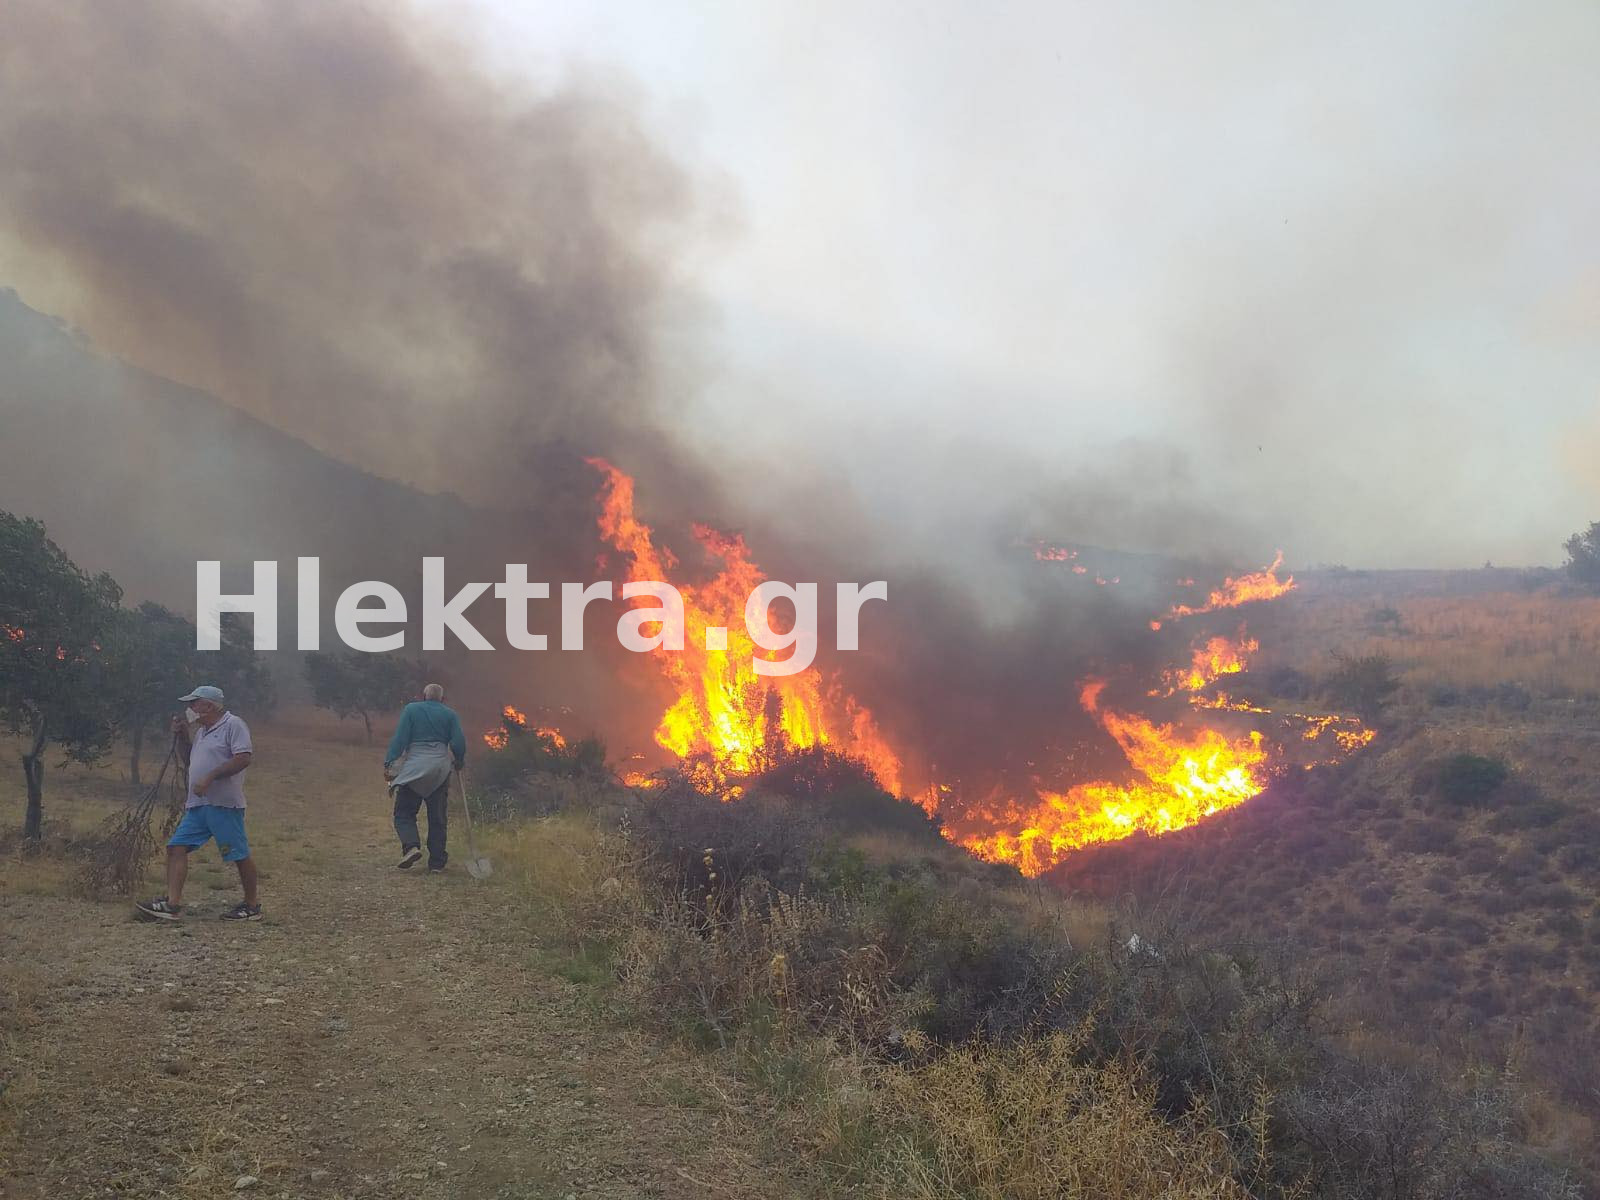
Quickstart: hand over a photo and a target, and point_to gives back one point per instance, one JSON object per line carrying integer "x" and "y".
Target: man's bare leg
{"x": 247, "y": 878}
{"x": 177, "y": 872}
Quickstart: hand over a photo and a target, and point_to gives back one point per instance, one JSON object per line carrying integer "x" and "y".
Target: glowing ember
{"x": 513, "y": 719}
{"x": 1348, "y": 732}
{"x": 1226, "y": 703}
{"x": 1351, "y": 740}
{"x": 1259, "y": 585}
{"x": 19, "y": 636}
{"x": 725, "y": 718}
{"x": 1047, "y": 553}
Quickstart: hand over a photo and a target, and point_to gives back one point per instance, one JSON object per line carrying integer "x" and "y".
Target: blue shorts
{"x": 207, "y": 821}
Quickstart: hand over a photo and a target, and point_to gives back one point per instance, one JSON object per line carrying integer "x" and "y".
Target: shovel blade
{"x": 479, "y": 868}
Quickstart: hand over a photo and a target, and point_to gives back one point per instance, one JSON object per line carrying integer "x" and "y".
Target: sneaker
{"x": 409, "y": 858}
{"x": 159, "y": 910}
{"x": 433, "y": 870}
{"x": 243, "y": 912}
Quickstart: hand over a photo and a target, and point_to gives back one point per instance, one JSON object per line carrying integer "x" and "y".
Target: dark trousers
{"x": 406, "y": 803}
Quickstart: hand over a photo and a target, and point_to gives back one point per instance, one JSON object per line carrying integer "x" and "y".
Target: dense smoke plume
{"x": 330, "y": 217}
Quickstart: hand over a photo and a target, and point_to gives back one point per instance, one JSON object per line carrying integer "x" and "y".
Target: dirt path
{"x": 381, "y": 1033}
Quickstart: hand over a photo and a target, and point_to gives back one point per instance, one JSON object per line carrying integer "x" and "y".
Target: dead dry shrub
{"x": 767, "y": 965}
{"x": 1031, "y": 1120}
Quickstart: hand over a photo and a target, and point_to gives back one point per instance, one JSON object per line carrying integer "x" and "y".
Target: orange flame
{"x": 1349, "y": 734}
{"x": 1186, "y": 778}
{"x": 724, "y": 714}
{"x": 512, "y": 717}
{"x": 1209, "y": 662}
{"x": 1258, "y": 585}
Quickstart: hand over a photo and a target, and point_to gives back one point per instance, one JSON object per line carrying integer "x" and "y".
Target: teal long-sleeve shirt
{"x": 427, "y": 721}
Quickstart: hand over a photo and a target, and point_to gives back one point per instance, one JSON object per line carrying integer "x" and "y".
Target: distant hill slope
{"x": 139, "y": 476}
{"x": 1450, "y": 873}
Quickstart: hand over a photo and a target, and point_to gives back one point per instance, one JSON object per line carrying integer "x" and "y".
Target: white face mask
{"x": 191, "y": 716}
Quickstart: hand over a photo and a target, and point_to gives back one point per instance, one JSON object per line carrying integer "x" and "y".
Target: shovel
{"x": 477, "y": 866}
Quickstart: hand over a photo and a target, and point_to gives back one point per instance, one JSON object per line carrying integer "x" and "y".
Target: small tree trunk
{"x": 138, "y": 747}
{"x": 33, "y": 773}
{"x": 368, "y": 721}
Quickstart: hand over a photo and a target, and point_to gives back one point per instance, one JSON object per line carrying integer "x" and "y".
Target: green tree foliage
{"x": 1365, "y": 684}
{"x": 155, "y": 661}
{"x": 353, "y": 683}
{"x": 54, "y": 671}
{"x": 1583, "y": 556}
{"x": 1468, "y": 780}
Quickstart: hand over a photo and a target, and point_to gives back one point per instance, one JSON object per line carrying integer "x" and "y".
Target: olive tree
{"x": 55, "y": 682}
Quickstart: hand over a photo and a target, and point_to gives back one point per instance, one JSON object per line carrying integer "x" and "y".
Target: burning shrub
{"x": 522, "y": 768}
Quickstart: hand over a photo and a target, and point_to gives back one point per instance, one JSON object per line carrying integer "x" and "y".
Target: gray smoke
{"x": 331, "y": 217}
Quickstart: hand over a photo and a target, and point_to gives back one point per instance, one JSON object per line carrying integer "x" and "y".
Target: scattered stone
{"x": 245, "y": 1181}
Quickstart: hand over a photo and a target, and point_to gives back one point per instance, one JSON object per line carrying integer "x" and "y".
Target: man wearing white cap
{"x": 217, "y": 751}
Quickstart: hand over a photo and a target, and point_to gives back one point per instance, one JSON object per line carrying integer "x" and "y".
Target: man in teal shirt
{"x": 427, "y": 746}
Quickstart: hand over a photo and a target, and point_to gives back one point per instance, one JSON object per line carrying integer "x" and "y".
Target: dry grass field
{"x": 1466, "y": 631}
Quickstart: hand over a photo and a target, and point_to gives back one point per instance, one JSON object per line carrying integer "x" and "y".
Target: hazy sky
{"x": 1232, "y": 275}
